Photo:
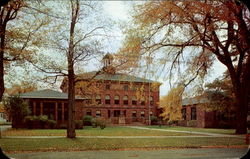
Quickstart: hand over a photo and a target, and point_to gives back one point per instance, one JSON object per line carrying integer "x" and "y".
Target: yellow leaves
{"x": 21, "y": 88}
{"x": 172, "y": 104}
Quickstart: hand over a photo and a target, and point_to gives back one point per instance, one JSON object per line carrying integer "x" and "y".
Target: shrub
{"x": 153, "y": 120}
{"x": 18, "y": 109}
{"x": 28, "y": 120}
{"x": 39, "y": 122}
{"x": 99, "y": 122}
{"x": 173, "y": 122}
{"x": 51, "y": 124}
{"x": 225, "y": 125}
{"x": 63, "y": 126}
{"x": 87, "y": 120}
{"x": 78, "y": 124}
{"x": 192, "y": 123}
{"x": 94, "y": 122}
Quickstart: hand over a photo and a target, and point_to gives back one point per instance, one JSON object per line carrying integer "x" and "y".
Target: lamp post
{"x": 149, "y": 119}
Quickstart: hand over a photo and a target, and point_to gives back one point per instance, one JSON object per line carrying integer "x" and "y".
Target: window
{"x": 98, "y": 99}
{"x": 117, "y": 113}
{"x": 193, "y": 113}
{"x": 134, "y": 101}
{"x": 98, "y": 113}
{"x": 125, "y": 100}
{"x": 134, "y": 114}
{"x": 151, "y": 113}
{"x": 125, "y": 87}
{"x": 88, "y": 101}
{"x": 107, "y": 99}
{"x": 142, "y": 101}
{"x": 184, "y": 112}
{"x": 142, "y": 114}
{"x": 151, "y": 100}
{"x": 107, "y": 87}
{"x": 88, "y": 112}
{"x": 117, "y": 100}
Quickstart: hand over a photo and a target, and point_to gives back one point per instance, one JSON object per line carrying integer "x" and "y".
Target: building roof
{"x": 114, "y": 77}
{"x": 192, "y": 101}
{"x": 45, "y": 94}
{"x": 108, "y": 56}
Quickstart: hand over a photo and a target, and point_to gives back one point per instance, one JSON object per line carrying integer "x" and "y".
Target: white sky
{"x": 119, "y": 11}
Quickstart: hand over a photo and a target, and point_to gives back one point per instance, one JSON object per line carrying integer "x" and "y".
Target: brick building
{"x": 51, "y": 103}
{"x": 119, "y": 98}
{"x": 194, "y": 114}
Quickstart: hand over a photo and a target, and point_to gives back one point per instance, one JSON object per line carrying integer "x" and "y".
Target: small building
{"x": 52, "y": 103}
{"x": 3, "y": 114}
{"x": 194, "y": 114}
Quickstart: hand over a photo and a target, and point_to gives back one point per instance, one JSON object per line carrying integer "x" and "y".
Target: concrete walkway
{"x": 109, "y": 137}
{"x": 197, "y": 134}
{"x": 189, "y": 132}
{"x": 4, "y": 127}
{"x": 204, "y": 153}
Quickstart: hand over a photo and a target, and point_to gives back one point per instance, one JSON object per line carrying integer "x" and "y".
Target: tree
{"x": 17, "y": 110}
{"x": 74, "y": 41}
{"x": 21, "y": 88}
{"x": 172, "y": 104}
{"x": 193, "y": 34}
{"x": 220, "y": 96}
{"x": 19, "y": 35}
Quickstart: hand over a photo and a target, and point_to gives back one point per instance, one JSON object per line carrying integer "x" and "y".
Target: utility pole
{"x": 149, "y": 119}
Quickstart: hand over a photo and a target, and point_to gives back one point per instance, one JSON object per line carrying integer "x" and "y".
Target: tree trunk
{"x": 71, "y": 103}
{"x": 241, "y": 113}
{"x": 2, "y": 28}
{"x": 71, "y": 75}
{"x": 242, "y": 100}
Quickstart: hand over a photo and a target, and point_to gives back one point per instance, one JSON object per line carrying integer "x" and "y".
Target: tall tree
{"x": 19, "y": 35}
{"x": 8, "y": 13}
{"x": 75, "y": 42}
{"x": 195, "y": 33}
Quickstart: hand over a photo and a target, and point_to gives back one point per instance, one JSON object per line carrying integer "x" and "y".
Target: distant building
{"x": 3, "y": 114}
{"x": 194, "y": 114}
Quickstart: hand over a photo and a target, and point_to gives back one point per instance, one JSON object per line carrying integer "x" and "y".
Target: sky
{"x": 120, "y": 12}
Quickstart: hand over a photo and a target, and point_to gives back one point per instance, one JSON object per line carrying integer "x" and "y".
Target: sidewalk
{"x": 198, "y": 135}
{"x": 109, "y": 137}
{"x": 190, "y": 132}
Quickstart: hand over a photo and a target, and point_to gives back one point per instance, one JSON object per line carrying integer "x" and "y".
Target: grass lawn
{"x": 80, "y": 144}
{"x": 209, "y": 130}
{"x": 89, "y": 131}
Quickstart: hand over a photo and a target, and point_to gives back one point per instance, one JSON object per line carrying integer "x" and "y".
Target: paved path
{"x": 4, "y": 127}
{"x": 189, "y": 132}
{"x": 221, "y": 153}
{"x": 197, "y": 134}
{"x": 109, "y": 137}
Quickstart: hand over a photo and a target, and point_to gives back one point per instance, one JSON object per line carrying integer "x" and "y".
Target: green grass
{"x": 80, "y": 144}
{"x": 89, "y": 131}
{"x": 208, "y": 130}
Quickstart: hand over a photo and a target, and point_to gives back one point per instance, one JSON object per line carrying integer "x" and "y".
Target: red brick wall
{"x": 117, "y": 89}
